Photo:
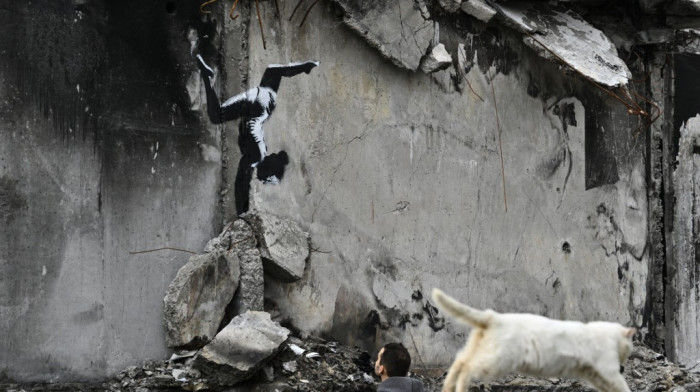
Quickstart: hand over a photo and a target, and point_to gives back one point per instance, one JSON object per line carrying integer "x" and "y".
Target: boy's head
{"x": 393, "y": 360}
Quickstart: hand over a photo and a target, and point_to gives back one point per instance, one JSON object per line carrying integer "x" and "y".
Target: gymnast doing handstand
{"x": 253, "y": 108}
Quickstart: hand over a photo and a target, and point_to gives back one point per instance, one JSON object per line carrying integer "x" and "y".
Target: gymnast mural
{"x": 253, "y": 108}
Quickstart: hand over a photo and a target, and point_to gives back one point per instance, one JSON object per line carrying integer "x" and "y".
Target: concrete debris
{"x": 182, "y": 354}
{"x": 251, "y": 289}
{"x": 423, "y": 9}
{"x": 290, "y": 366}
{"x": 479, "y": 9}
{"x": 296, "y": 349}
{"x": 436, "y": 36}
{"x": 437, "y": 60}
{"x": 342, "y": 368}
{"x": 195, "y": 302}
{"x": 450, "y": 5}
{"x": 397, "y": 29}
{"x": 242, "y": 348}
{"x": 237, "y": 236}
{"x": 562, "y": 35}
{"x": 283, "y": 245}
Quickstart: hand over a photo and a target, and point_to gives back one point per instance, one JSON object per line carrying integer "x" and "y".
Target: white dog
{"x": 536, "y": 345}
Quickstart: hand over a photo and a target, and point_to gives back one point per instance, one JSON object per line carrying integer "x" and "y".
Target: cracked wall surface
{"x": 397, "y": 176}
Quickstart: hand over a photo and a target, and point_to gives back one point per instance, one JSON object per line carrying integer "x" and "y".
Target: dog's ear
{"x": 629, "y": 332}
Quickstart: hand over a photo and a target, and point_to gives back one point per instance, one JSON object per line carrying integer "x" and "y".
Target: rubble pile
{"x": 215, "y": 303}
{"x": 313, "y": 364}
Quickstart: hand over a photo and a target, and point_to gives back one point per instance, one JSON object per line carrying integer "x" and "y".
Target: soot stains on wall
{"x": 149, "y": 61}
{"x": 686, "y": 92}
{"x": 11, "y": 199}
{"x": 601, "y": 163}
{"x": 108, "y": 66}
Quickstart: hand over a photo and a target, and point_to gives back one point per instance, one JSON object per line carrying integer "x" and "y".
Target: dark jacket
{"x": 400, "y": 384}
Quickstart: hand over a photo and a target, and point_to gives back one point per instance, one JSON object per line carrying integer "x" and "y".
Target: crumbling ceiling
{"x": 576, "y": 34}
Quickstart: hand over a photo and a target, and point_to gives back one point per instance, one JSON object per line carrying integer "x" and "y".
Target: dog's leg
{"x": 617, "y": 383}
{"x": 464, "y": 378}
{"x": 463, "y": 359}
{"x": 449, "y": 384}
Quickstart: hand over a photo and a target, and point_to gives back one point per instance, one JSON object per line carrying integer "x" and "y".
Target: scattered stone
{"x": 479, "y": 9}
{"x": 269, "y": 372}
{"x": 241, "y": 349}
{"x": 283, "y": 245}
{"x": 296, "y": 349}
{"x": 290, "y": 366}
{"x": 450, "y": 5}
{"x": 437, "y": 60}
{"x": 196, "y": 299}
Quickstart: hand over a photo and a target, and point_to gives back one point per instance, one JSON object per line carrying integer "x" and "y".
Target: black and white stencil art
{"x": 253, "y": 108}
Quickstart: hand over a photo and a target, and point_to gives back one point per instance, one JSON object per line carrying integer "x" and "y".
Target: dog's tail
{"x": 469, "y": 315}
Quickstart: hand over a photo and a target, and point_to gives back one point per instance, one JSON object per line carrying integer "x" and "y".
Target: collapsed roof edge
{"x": 403, "y": 36}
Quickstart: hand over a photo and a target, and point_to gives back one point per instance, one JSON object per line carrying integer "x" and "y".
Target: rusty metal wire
{"x": 630, "y": 100}
{"x": 233, "y": 17}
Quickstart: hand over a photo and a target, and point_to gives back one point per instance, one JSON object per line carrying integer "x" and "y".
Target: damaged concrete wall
{"x": 686, "y": 240}
{"x": 100, "y": 155}
{"x": 397, "y": 176}
{"x": 510, "y": 182}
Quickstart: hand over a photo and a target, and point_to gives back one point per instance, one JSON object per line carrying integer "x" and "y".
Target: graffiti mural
{"x": 252, "y": 108}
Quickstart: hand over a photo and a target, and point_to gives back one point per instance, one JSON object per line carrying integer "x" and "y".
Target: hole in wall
{"x": 566, "y": 247}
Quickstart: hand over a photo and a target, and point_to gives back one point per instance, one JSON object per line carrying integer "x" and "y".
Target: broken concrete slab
{"x": 238, "y": 237}
{"x": 397, "y": 29}
{"x": 251, "y": 289}
{"x": 437, "y": 60}
{"x": 243, "y": 347}
{"x": 450, "y": 5}
{"x": 195, "y": 302}
{"x": 283, "y": 245}
{"x": 479, "y": 9}
{"x": 561, "y": 35}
